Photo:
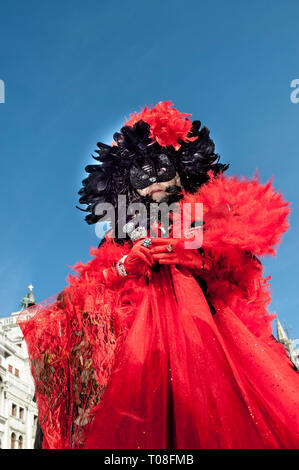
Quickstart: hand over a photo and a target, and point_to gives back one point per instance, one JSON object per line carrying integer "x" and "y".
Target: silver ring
{"x": 121, "y": 267}
{"x": 147, "y": 242}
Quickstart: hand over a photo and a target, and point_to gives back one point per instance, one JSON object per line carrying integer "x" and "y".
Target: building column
{"x": 6, "y": 436}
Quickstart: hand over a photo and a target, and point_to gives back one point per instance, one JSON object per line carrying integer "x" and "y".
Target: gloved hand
{"x": 139, "y": 261}
{"x": 180, "y": 255}
{"x": 111, "y": 277}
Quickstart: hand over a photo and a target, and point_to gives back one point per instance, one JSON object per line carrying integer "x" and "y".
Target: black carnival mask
{"x": 149, "y": 171}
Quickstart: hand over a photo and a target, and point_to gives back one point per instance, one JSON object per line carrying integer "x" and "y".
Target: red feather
{"x": 167, "y": 124}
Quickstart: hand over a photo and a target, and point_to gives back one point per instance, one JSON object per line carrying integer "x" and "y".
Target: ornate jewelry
{"x": 169, "y": 248}
{"x": 147, "y": 242}
{"x": 129, "y": 227}
{"x": 121, "y": 267}
{"x": 138, "y": 232}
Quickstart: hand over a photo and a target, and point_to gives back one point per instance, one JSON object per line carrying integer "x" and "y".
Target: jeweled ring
{"x": 169, "y": 248}
{"x": 147, "y": 242}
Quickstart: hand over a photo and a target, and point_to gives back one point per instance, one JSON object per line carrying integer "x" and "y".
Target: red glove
{"x": 139, "y": 261}
{"x": 111, "y": 276}
{"x": 161, "y": 252}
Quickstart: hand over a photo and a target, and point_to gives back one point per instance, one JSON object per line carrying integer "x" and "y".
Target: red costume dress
{"x": 127, "y": 363}
{"x": 184, "y": 358}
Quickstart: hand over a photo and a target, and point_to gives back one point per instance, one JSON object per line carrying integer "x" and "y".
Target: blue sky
{"x": 74, "y": 70}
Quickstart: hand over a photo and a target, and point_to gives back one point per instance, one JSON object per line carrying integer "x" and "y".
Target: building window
{"x": 21, "y": 413}
{"x": 35, "y": 420}
{"x": 20, "y": 442}
{"x": 13, "y": 440}
{"x": 14, "y": 410}
{"x": 9, "y": 368}
{"x": 17, "y": 373}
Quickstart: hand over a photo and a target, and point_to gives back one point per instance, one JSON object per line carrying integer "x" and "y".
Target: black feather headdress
{"x": 156, "y": 131}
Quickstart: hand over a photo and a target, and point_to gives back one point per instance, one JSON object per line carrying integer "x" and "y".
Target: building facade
{"x": 18, "y": 410}
{"x": 291, "y": 345}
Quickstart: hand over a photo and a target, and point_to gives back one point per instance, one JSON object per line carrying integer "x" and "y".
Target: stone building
{"x": 289, "y": 344}
{"x": 18, "y": 410}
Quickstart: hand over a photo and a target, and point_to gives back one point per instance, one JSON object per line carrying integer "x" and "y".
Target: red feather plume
{"x": 167, "y": 124}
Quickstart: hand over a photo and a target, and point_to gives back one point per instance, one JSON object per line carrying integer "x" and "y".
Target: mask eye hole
{"x": 163, "y": 158}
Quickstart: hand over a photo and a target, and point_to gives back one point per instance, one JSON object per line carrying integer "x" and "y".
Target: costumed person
{"x": 154, "y": 344}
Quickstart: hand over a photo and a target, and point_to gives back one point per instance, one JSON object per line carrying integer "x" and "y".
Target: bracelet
{"x": 121, "y": 267}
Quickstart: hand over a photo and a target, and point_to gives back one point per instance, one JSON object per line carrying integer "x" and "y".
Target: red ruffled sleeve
{"x": 242, "y": 213}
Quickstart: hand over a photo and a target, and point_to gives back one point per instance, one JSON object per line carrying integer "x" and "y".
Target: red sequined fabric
{"x": 140, "y": 364}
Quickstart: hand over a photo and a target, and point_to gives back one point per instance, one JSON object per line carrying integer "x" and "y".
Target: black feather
{"x": 111, "y": 177}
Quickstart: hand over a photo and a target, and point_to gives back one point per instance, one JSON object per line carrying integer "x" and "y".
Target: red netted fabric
{"x": 131, "y": 363}
{"x": 71, "y": 340}
{"x": 46, "y": 329}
